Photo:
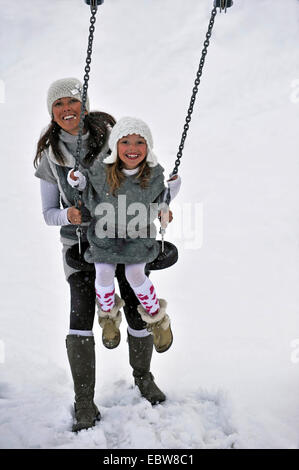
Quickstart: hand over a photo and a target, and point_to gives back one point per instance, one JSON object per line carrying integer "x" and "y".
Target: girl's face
{"x": 132, "y": 150}
{"x": 66, "y": 112}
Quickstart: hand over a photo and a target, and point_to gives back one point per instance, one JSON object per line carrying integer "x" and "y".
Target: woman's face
{"x": 66, "y": 112}
{"x": 132, "y": 150}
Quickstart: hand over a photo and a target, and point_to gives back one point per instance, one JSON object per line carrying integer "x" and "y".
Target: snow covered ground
{"x": 232, "y": 375}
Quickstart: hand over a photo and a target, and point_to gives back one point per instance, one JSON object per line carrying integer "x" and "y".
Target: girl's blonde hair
{"x": 115, "y": 176}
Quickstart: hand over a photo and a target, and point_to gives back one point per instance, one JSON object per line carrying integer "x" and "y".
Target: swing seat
{"x": 77, "y": 261}
{"x": 164, "y": 260}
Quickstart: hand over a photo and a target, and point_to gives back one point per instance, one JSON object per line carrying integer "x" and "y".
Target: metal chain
{"x": 77, "y": 195}
{"x": 194, "y": 91}
{"x": 85, "y": 84}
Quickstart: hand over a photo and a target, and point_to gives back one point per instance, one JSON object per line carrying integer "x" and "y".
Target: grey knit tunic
{"x": 116, "y": 242}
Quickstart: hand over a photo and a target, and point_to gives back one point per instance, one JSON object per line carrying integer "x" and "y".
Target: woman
{"x": 54, "y": 158}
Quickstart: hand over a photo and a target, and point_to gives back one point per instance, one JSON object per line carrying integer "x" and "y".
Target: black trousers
{"x": 82, "y": 293}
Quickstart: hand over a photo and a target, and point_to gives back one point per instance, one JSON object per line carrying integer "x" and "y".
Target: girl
{"x": 130, "y": 175}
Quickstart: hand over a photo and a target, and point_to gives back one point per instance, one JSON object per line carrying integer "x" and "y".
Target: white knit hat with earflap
{"x": 128, "y": 126}
{"x": 65, "y": 88}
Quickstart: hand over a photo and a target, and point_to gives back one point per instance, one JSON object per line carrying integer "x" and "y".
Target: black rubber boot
{"x": 140, "y": 355}
{"x": 81, "y": 355}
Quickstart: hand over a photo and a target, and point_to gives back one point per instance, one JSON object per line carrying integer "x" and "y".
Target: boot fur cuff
{"x": 161, "y": 315}
{"x": 119, "y": 303}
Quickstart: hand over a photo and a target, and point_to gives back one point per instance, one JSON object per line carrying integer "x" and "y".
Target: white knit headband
{"x": 65, "y": 88}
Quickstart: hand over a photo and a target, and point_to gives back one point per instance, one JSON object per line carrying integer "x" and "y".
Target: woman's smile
{"x": 66, "y": 112}
{"x": 69, "y": 116}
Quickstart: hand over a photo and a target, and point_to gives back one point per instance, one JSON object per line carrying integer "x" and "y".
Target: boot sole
{"x": 97, "y": 418}
{"x": 152, "y": 402}
{"x": 110, "y": 344}
{"x": 164, "y": 349}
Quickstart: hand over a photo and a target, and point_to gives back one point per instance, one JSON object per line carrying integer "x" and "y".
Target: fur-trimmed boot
{"x": 159, "y": 326}
{"x": 110, "y": 322}
{"x": 81, "y": 355}
{"x": 140, "y": 355}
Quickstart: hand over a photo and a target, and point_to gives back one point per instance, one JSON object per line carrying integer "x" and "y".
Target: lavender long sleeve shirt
{"x": 50, "y": 196}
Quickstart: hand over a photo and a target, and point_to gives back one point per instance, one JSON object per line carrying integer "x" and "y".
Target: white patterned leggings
{"x": 140, "y": 283}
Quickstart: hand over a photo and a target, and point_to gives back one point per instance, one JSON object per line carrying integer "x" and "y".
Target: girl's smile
{"x": 132, "y": 150}
{"x": 66, "y": 113}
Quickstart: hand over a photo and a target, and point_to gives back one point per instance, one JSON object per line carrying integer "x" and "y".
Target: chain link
{"x": 84, "y": 95}
{"x": 194, "y": 91}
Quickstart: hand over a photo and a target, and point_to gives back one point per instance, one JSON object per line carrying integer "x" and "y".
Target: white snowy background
{"x": 232, "y": 375}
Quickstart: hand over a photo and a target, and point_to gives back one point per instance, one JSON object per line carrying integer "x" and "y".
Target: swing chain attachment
{"x": 222, "y": 4}
{"x": 94, "y": 3}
